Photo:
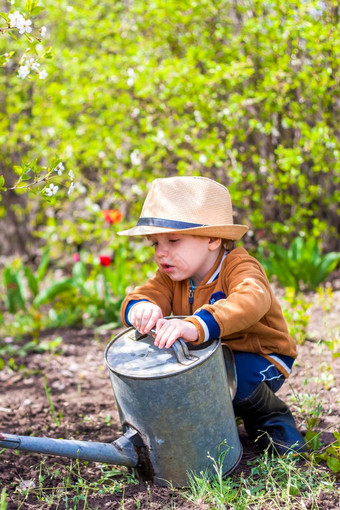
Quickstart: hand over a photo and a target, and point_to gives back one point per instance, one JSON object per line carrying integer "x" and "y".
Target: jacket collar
{"x": 216, "y": 268}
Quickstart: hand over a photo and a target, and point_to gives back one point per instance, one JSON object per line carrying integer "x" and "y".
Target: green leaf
{"x": 329, "y": 263}
{"x": 14, "y": 292}
{"x": 2, "y": 183}
{"x": 49, "y": 294}
{"x": 3, "y": 500}
{"x": 44, "y": 262}
{"x": 337, "y": 435}
{"x": 110, "y": 326}
{"x": 79, "y": 272}
{"x": 30, "y": 5}
{"x": 333, "y": 464}
{"x": 37, "y": 10}
{"x": 32, "y": 280}
{"x": 12, "y": 35}
{"x": 313, "y": 439}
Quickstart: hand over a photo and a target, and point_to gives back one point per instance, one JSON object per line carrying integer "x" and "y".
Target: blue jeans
{"x": 252, "y": 369}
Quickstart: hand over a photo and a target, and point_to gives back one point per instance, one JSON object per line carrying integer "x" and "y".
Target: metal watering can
{"x": 175, "y": 407}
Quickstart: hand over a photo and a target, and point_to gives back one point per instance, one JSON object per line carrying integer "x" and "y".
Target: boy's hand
{"x": 144, "y": 316}
{"x": 168, "y": 331}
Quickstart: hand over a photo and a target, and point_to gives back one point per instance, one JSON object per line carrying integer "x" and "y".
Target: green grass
{"x": 67, "y": 486}
{"x": 273, "y": 482}
{"x": 290, "y": 483}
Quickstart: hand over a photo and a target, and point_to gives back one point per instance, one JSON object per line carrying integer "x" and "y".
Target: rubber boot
{"x": 268, "y": 419}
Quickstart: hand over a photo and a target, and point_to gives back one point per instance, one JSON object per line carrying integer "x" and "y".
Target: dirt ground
{"x": 77, "y": 381}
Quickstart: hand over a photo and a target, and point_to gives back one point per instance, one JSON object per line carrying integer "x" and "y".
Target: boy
{"x": 223, "y": 292}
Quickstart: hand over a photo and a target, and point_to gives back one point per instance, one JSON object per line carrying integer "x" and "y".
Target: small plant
{"x": 19, "y": 279}
{"x": 93, "y": 293}
{"x": 301, "y": 266}
{"x": 274, "y": 482}
{"x": 56, "y": 418}
{"x": 326, "y": 377}
{"x": 331, "y": 455}
{"x": 310, "y": 407}
{"x": 326, "y": 297}
{"x": 67, "y": 486}
{"x": 296, "y": 314}
{"x": 3, "y": 500}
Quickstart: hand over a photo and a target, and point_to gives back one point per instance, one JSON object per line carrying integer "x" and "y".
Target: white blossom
{"x": 118, "y": 153}
{"x": 51, "y": 190}
{"x": 135, "y": 158}
{"x": 43, "y": 31}
{"x": 202, "y": 159}
{"x": 25, "y": 27}
{"x": 71, "y": 188}
{"x": 59, "y": 168}
{"x": 71, "y": 175}
{"x": 43, "y": 74}
{"x": 135, "y": 189}
{"x": 198, "y": 116}
{"x": 135, "y": 113}
{"x": 23, "y": 71}
{"x": 81, "y": 188}
{"x": 16, "y": 20}
{"x": 130, "y": 82}
{"x": 161, "y": 137}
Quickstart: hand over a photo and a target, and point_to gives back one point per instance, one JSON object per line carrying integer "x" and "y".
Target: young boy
{"x": 223, "y": 292}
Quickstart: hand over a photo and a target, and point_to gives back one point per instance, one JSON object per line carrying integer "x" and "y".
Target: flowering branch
{"x": 51, "y": 173}
{"x": 16, "y": 21}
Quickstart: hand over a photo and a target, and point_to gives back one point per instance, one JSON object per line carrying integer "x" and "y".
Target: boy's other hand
{"x": 168, "y": 331}
{"x": 144, "y": 316}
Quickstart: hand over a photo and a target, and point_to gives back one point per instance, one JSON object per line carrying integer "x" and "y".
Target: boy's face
{"x": 184, "y": 256}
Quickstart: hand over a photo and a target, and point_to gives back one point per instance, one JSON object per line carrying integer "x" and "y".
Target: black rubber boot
{"x": 268, "y": 419}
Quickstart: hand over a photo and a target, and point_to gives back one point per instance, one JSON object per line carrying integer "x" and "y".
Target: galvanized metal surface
{"x": 229, "y": 363}
{"x": 133, "y": 355}
{"x": 184, "y": 414}
{"x": 121, "y": 452}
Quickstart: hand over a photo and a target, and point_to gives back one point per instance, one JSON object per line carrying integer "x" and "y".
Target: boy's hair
{"x": 228, "y": 244}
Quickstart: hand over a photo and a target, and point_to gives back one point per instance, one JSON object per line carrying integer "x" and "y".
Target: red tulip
{"x": 112, "y": 216}
{"x": 104, "y": 260}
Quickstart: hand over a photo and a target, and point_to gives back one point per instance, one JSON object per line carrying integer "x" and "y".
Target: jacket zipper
{"x": 191, "y": 295}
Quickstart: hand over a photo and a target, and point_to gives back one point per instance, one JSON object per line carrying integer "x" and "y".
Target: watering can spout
{"x": 121, "y": 452}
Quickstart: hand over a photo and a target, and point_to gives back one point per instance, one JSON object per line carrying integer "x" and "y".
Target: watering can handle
{"x": 184, "y": 357}
{"x": 182, "y": 352}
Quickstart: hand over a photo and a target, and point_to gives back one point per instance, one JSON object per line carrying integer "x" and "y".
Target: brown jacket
{"x": 243, "y": 310}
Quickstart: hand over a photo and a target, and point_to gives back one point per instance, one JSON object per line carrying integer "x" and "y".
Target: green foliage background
{"x": 245, "y": 92}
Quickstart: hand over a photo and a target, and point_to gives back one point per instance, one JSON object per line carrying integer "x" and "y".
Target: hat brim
{"x": 233, "y": 232}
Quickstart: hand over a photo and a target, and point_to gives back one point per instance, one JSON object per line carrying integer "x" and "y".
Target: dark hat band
{"x": 161, "y": 222}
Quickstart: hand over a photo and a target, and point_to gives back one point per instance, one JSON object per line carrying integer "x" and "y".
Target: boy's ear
{"x": 214, "y": 243}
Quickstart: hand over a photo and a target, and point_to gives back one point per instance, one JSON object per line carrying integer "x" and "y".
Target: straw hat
{"x": 190, "y": 205}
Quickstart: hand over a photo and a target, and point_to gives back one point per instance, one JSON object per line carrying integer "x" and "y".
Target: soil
{"x": 82, "y": 407}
